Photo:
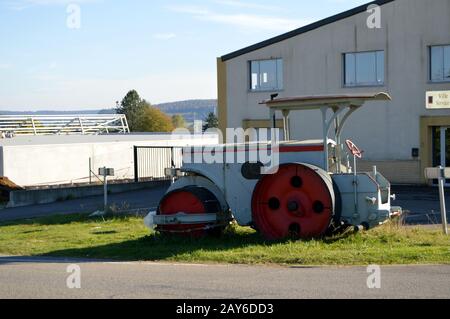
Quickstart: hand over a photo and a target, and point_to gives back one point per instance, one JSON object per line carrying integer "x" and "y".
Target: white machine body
{"x": 373, "y": 205}
{"x": 240, "y": 182}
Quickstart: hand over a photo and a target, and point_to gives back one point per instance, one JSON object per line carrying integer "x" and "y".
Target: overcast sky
{"x": 166, "y": 50}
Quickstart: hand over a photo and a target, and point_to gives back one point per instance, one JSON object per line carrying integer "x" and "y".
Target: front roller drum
{"x": 190, "y": 200}
{"x": 296, "y": 202}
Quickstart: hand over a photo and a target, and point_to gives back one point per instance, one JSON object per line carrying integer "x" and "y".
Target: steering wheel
{"x": 354, "y": 150}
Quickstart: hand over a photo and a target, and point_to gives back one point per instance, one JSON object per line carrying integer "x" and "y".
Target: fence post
{"x": 90, "y": 171}
{"x": 105, "y": 191}
{"x": 136, "y": 167}
{"x": 172, "y": 155}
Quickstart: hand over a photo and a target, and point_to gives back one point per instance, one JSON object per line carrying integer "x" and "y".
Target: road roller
{"x": 309, "y": 189}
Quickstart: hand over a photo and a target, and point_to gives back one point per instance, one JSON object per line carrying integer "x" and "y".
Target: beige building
{"x": 406, "y": 55}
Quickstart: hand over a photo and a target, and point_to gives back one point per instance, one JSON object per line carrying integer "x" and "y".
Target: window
{"x": 364, "y": 69}
{"x": 266, "y": 75}
{"x": 440, "y": 63}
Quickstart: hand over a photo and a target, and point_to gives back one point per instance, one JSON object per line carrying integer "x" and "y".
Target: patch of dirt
{"x": 6, "y": 186}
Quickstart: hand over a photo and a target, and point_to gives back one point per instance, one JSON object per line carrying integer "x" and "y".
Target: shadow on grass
{"x": 158, "y": 247}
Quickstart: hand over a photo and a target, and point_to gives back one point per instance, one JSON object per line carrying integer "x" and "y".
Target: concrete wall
{"x": 67, "y": 163}
{"x": 313, "y": 64}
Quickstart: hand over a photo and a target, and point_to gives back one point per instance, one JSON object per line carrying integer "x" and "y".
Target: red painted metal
{"x": 294, "y": 202}
{"x": 186, "y": 202}
{"x": 354, "y": 149}
{"x": 300, "y": 149}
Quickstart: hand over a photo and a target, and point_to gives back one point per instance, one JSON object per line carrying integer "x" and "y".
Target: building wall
{"x": 404, "y": 172}
{"x": 55, "y": 164}
{"x": 313, "y": 64}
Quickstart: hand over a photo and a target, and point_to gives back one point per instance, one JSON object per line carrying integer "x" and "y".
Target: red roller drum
{"x": 297, "y": 201}
{"x": 189, "y": 200}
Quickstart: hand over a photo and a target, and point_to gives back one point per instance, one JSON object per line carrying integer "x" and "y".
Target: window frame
{"x": 430, "y": 64}
{"x": 356, "y": 85}
{"x": 278, "y": 89}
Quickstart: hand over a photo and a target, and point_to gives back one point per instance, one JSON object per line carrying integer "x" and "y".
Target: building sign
{"x": 438, "y": 100}
{"x": 103, "y": 171}
{"x": 436, "y": 172}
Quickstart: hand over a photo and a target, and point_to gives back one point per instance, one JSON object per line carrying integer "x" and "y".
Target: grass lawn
{"x": 128, "y": 239}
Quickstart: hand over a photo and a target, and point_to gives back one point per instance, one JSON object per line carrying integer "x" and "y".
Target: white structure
{"x": 63, "y": 124}
{"x": 57, "y": 160}
{"x": 406, "y": 55}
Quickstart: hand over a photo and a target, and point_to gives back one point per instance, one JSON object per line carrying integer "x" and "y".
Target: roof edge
{"x": 304, "y": 29}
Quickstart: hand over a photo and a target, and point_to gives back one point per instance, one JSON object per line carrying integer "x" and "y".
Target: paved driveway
{"x": 421, "y": 204}
{"x": 141, "y": 200}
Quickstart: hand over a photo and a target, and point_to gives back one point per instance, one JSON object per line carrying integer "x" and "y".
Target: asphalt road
{"x": 140, "y": 201}
{"x": 46, "y": 278}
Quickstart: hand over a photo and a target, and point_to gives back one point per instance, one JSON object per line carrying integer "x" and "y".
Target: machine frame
{"x": 362, "y": 200}
{"x": 342, "y": 106}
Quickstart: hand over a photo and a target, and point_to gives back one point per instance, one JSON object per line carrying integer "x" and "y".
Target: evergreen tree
{"x": 133, "y": 107}
{"x": 211, "y": 121}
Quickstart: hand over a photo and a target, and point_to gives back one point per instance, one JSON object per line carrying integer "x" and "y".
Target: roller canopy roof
{"x": 320, "y": 101}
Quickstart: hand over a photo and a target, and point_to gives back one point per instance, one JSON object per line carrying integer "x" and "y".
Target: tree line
{"x": 143, "y": 117}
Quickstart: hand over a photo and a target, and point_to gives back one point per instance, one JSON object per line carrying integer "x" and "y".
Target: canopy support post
{"x": 352, "y": 110}
{"x": 287, "y": 129}
{"x": 326, "y": 129}
{"x": 273, "y": 121}
{"x": 338, "y": 146}
{"x": 325, "y": 137}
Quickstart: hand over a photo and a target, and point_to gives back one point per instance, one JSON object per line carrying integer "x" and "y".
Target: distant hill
{"x": 190, "y": 109}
